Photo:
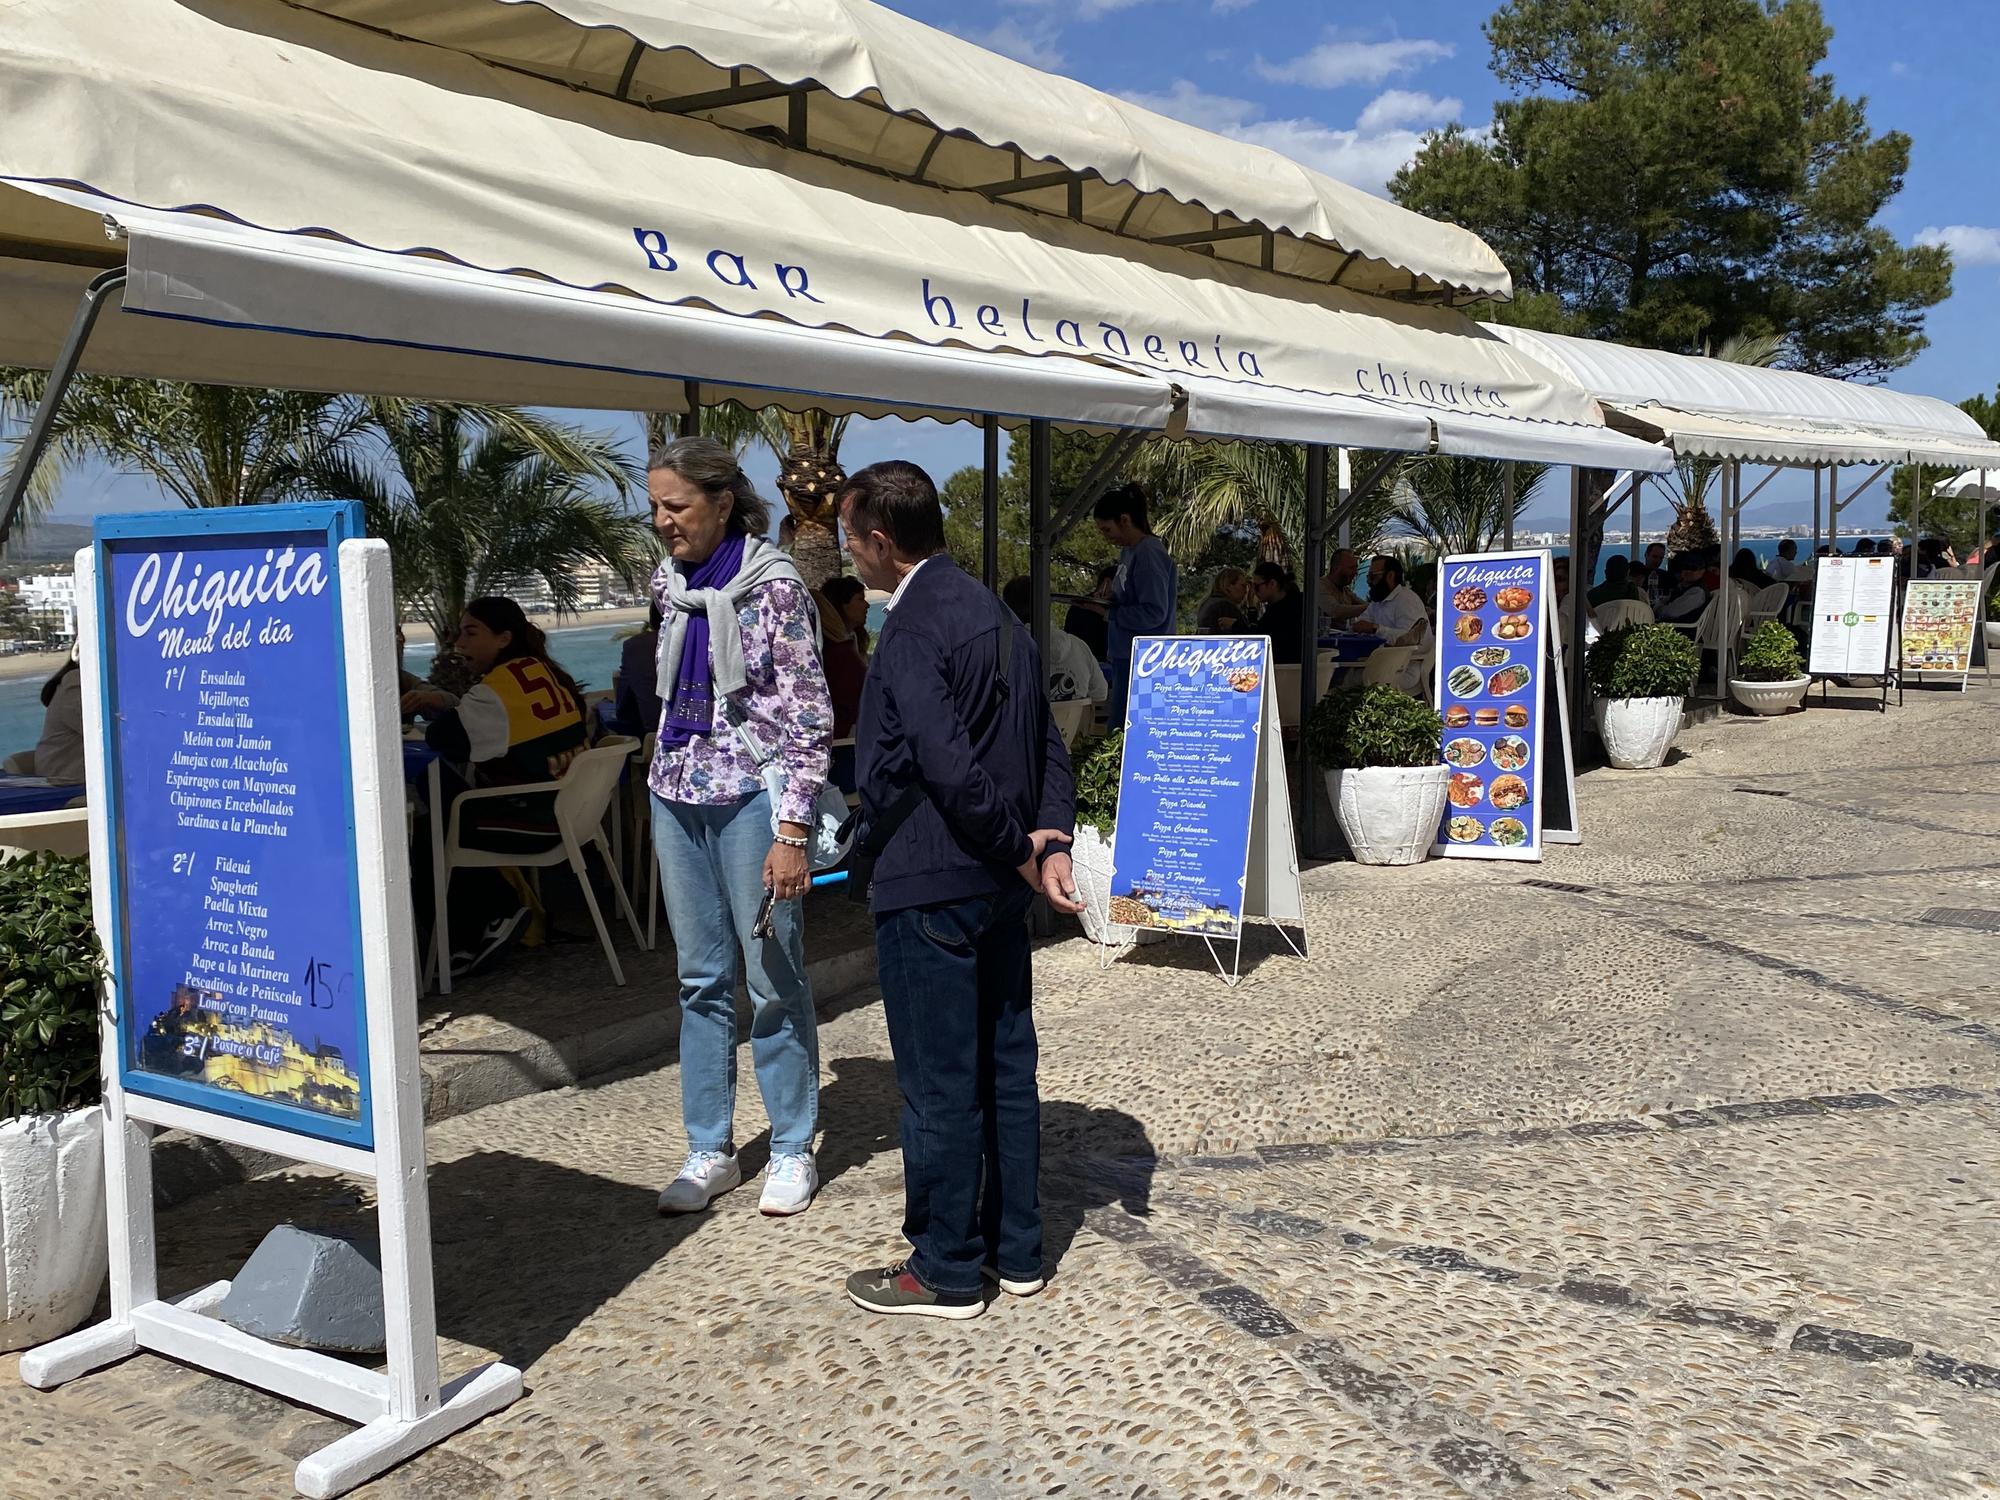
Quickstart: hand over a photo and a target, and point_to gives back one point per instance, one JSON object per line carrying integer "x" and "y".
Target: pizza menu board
{"x": 227, "y": 764}
{"x": 1187, "y": 784}
{"x": 1940, "y": 616}
{"x": 1854, "y": 602}
{"x": 1493, "y": 617}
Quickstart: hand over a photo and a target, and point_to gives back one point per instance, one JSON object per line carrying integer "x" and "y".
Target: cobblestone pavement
{"x": 1661, "y": 1169}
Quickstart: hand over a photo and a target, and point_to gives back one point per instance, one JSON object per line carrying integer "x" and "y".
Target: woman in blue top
{"x": 1146, "y": 594}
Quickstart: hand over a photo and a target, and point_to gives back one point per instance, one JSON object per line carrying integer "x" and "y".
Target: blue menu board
{"x": 1187, "y": 785}
{"x": 227, "y": 776}
{"x": 1492, "y": 619}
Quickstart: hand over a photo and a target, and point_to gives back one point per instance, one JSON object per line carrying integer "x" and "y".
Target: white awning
{"x": 388, "y": 174}
{"x": 860, "y": 83}
{"x": 1475, "y": 435}
{"x": 1982, "y": 482}
{"x": 1713, "y": 408}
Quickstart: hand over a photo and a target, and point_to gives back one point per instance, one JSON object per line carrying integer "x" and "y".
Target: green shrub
{"x": 1771, "y": 654}
{"x": 1362, "y": 727}
{"x": 50, "y": 969}
{"x": 1643, "y": 661}
{"x": 1096, "y": 764}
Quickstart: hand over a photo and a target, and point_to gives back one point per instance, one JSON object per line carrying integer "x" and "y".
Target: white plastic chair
{"x": 1621, "y": 614}
{"x": 582, "y": 798}
{"x": 1072, "y": 715}
{"x": 1766, "y": 604}
{"x": 1387, "y": 664}
{"x": 65, "y": 831}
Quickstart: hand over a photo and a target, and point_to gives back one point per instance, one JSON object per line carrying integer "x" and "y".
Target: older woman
{"x": 742, "y": 689}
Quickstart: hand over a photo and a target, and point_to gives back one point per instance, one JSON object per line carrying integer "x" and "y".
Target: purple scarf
{"x": 693, "y": 710}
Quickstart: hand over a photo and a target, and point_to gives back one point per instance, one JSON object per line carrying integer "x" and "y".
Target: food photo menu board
{"x": 1492, "y": 620}
{"x": 1188, "y": 783}
{"x": 239, "y": 975}
{"x": 1940, "y": 616}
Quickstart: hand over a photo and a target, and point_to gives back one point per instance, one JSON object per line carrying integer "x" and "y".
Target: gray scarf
{"x": 762, "y": 563}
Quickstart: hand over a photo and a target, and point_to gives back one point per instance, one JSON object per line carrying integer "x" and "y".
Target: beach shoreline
{"x": 43, "y": 663}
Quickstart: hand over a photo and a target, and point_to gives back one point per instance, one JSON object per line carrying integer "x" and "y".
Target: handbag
{"x": 829, "y": 835}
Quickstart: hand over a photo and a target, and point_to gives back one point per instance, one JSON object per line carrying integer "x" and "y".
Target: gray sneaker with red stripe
{"x": 895, "y": 1290}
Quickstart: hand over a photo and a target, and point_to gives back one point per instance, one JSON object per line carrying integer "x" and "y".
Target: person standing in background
{"x": 1145, "y": 594}
{"x": 965, "y": 784}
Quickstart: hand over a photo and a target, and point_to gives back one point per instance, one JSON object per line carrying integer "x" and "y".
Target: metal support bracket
{"x": 42, "y": 425}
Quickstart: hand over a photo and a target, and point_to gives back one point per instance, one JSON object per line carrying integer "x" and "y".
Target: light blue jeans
{"x": 712, "y": 873}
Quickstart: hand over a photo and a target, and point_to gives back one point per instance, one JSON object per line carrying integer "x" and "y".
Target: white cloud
{"x": 1034, "y": 44}
{"x": 1084, "y": 10}
{"x": 1224, "y": 7}
{"x": 1365, "y": 157}
{"x": 1336, "y": 64}
{"x": 1970, "y": 244}
{"x": 1408, "y": 107}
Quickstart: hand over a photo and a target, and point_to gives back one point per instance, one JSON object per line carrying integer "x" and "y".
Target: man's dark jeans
{"x": 957, "y": 994}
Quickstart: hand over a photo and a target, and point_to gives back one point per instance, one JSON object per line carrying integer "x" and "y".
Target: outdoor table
{"x": 33, "y": 794}
{"x": 1348, "y": 645}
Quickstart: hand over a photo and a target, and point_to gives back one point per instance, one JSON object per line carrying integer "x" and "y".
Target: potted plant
{"x": 1381, "y": 752}
{"x": 1096, "y": 765}
{"x": 1993, "y": 622}
{"x": 1771, "y": 676}
{"x": 53, "y": 1250}
{"x": 1640, "y": 677}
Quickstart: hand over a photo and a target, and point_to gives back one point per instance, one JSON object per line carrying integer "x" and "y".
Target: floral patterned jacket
{"x": 784, "y": 706}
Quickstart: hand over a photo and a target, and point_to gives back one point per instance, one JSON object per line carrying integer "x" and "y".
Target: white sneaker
{"x": 789, "y": 1185}
{"x": 1012, "y": 1287}
{"x": 706, "y": 1177}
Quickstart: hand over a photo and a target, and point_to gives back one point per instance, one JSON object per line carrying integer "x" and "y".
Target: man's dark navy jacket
{"x": 991, "y": 761}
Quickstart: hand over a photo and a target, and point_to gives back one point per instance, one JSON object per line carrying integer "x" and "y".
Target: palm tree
{"x": 1204, "y": 488}
{"x": 1460, "y": 504}
{"x": 205, "y": 445}
{"x": 810, "y": 477}
{"x": 1694, "y": 528}
{"x": 473, "y": 498}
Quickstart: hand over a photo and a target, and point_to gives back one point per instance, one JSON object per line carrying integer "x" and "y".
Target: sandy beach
{"x": 42, "y": 663}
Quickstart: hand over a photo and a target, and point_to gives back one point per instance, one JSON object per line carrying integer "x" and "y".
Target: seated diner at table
{"x": 1225, "y": 610}
{"x": 1282, "y": 610}
{"x": 1686, "y": 595}
{"x": 1072, "y": 671}
{"x": 1338, "y": 603}
{"x": 636, "y": 704}
{"x": 1394, "y": 611}
{"x": 1617, "y": 583}
{"x": 520, "y": 723}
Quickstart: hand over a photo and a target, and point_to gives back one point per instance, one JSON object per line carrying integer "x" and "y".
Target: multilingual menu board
{"x": 1940, "y": 617}
{"x": 1854, "y": 602}
{"x": 1188, "y": 784}
{"x": 1492, "y": 627}
{"x": 239, "y": 974}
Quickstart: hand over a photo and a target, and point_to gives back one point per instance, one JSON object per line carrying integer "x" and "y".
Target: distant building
{"x": 50, "y": 601}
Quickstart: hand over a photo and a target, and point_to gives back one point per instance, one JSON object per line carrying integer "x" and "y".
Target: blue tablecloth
{"x": 33, "y": 794}
{"x": 1348, "y": 645}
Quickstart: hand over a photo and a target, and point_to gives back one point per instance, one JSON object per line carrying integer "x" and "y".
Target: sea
{"x": 588, "y": 652}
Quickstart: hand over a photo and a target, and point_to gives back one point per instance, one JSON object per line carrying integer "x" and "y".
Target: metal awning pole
{"x": 1507, "y": 482}
{"x": 1638, "y": 484}
{"x": 1916, "y": 510}
{"x": 1041, "y": 467}
{"x": 1314, "y": 564}
{"x": 691, "y": 418}
{"x": 1833, "y": 508}
{"x": 42, "y": 425}
{"x": 1572, "y": 660}
{"x": 990, "y": 498}
{"x": 1815, "y": 536}
{"x": 1732, "y": 529}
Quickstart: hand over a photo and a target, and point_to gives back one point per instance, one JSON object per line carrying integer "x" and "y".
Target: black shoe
{"x": 499, "y": 936}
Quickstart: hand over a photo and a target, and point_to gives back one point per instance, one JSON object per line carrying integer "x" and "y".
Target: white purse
{"x": 825, "y": 844}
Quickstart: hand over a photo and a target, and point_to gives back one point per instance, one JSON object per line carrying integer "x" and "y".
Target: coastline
{"x": 40, "y": 664}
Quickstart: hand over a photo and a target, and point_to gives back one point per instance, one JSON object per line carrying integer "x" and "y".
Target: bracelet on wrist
{"x": 788, "y": 841}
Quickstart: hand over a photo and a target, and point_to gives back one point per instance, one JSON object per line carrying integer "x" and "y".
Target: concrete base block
{"x": 311, "y": 1291}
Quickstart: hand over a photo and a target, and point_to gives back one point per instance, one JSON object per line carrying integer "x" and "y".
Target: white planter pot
{"x": 53, "y": 1250}
{"x": 1638, "y": 732}
{"x": 1389, "y": 814}
{"x": 1993, "y": 635}
{"x": 1770, "y": 697}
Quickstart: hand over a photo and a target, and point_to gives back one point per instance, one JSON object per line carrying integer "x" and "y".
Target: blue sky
{"x": 1348, "y": 92}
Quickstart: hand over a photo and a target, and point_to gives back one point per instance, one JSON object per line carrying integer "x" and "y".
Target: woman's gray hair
{"x": 712, "y": 468}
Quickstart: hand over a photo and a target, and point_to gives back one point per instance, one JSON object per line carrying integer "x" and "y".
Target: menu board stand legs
{"x": 403, "y": 1408}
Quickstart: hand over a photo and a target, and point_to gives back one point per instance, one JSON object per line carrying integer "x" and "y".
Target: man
{"x": 1144, "y": 595}
{"x": 1338, "y": 603}
{"x": 1073, "y": 672}
{"x": 1284, "y": 611}
{"x": 964, "y": 786}
{"x": 1394, "y": 611}
{"x": 1684, "y": 599}
{"x": 1787, "y": 568}
{"x": 1617, "y": 583}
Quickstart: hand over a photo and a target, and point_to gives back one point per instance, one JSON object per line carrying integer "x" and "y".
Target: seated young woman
{"x": 520, "y": 723}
